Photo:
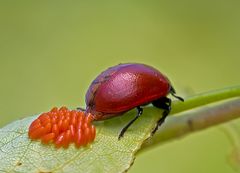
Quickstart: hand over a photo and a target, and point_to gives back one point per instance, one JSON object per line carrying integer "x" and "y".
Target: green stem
{"x": 205, "y": 98}
{"x": 208, "y": 116}
{"x": 177, "y": 126}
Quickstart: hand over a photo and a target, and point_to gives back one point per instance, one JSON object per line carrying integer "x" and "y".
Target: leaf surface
{"x": 107, "y": 154}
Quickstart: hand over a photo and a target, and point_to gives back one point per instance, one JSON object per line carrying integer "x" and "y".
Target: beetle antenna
{"x": 81, "y": 109}
{"x": 173, "y": 93}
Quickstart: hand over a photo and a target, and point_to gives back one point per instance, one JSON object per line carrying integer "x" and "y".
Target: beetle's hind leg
{"x": 173, "y": 93}
{"x": 139, "y": 112}
{"x": 165, "y": 104}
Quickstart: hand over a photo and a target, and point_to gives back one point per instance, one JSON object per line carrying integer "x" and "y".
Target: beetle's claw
{"x": 120, "y": 136}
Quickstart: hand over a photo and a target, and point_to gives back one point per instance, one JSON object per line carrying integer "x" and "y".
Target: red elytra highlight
{"x": 62, "y": 127}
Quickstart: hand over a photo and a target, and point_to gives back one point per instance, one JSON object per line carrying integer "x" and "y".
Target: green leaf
{"x": 107, "y": 154}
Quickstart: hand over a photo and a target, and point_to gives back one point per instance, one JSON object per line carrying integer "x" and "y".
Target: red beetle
{"x": 127, "y": 86}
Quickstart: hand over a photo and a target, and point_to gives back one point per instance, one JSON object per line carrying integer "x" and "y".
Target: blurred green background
{"x": 50, "y": 51}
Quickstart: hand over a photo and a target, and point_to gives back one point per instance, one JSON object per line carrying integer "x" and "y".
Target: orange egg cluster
{"x": 62, "y": 127}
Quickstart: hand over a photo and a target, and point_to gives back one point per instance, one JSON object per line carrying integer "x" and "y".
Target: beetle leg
{"x": 165, "y": 104}
{"x": 139, "y": 112}
{"x": 173, "y": 93}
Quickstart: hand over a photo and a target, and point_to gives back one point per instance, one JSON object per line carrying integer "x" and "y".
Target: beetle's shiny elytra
{"x": 127, "y": 86}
